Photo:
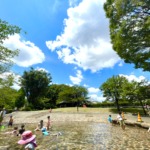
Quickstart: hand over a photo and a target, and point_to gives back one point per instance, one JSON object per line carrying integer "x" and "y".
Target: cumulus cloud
{"x": 95, "y": 97}
{"x": 29, "y": 53}
{"x": 85, "y": 39}
{"x": 93, "y": 90}
{"x": 133, "y": 77}
{"x": 77, "y": 79}
{"x": 41, "y": 69}
{"x": 95, "y": 94}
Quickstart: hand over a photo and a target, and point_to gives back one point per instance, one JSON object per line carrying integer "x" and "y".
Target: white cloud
{"x": 76, "y": 80}
{"x": 95, "y": 94}
{"x": 95, "y": 97}
{"x": 29, "y": 53}
{"x": 41, "y": 69}
{"x": 93, "y": 90}
{"x": 121, "y": 64}
{"x": 85, "y": 40}
{"x": 133, "y": 77}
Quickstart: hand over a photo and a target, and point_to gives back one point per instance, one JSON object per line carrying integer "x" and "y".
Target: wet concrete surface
{"x": 84, "y": 131}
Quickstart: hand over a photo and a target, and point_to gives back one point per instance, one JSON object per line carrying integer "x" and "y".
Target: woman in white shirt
{"x": 121, "y": 121}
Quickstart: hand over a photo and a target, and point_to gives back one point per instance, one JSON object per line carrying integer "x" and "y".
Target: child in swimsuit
{"x": 48, "y": 123}
{"x": 14, "y": 132}
{"x": 10, "y": 123}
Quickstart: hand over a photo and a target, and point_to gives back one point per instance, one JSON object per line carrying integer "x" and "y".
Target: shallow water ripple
{"x": 86, "y": 136}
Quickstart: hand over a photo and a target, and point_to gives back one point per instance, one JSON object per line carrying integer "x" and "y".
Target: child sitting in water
{"x": 22, "y": 129}
{"x": 14, "y": 132}
{"x": 44, "y": 131}
{"x": 28, "y": 140}
{"x": 40, "y": 126}
{"x": 110, "y": 119}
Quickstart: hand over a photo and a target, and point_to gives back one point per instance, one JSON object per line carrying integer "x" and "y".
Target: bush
{"x": 28, "y": 108}
{"x": 128, "y": 110}
{"x": 9, "y": 111}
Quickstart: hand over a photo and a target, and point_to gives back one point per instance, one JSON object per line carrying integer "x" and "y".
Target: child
{"x": 50, "y": 110}
{"x": 48, "y": 123}
{"x": 40, "y": 126}
{"x": 28, "y": 140}
{"x": 14, "y": 132}
{"x": 44, "y": 131}
{"x": 110, "y": 119}
{"x": 10, "y": 123}
{"x": 21, "y": 130}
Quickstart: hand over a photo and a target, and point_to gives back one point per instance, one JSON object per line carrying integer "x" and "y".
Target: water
{"x": 86, "y": 136}
{"x": 96, "y": 136}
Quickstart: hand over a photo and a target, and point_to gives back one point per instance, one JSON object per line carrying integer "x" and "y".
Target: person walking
{"x": 121, "y": 120}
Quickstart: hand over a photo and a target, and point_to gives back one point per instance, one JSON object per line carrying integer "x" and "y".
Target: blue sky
{"x": 67, "y": 38}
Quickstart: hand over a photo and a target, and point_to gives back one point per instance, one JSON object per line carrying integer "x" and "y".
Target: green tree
{"x": 130, "y": 30}
{"x": 112, "y": 89}
{"x": 136, "y": 91}
{"x": 80, "y": 94}
{"x": 8, "y": 97}
{"x": 35, "y": 84}
{"x": 7, "y": 82}
{"x": 20, "y": 101}
{"x": 6, "y": 54}
{"x": 7, "y": 94}
{"x": 73, "y": 94}
{"x": 53, "y": 94}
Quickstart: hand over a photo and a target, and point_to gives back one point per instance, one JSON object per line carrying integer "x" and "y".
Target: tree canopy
{"x": 130, "y": 30}
{"x": 119, "y": 89}
{"x": 35, "y": 84}
{"x": 112, "y": 89}
{"x": 5, "y": 53}
{"x": 7, "y": 94}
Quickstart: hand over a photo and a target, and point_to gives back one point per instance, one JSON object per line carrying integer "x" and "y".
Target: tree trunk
{"x": 77, "y": 106}
{"x": 117, "y": 104}
{"x": 143, "y": 107}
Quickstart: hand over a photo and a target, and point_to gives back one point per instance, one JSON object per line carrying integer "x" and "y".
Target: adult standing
{"x": 121, "y": 120}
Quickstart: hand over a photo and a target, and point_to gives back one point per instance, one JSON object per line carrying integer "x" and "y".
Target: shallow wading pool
{"x": 87, "y": 136}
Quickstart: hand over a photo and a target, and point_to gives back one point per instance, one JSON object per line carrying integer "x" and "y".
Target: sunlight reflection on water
{"x": 86, "y": 136}
{"x": 89, "y": 136}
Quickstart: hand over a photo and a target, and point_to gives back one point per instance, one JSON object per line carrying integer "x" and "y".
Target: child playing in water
{"x": 48, "y": 123}
{"x": 28, "y": 140}
{"x": 22, "y": 129}
{"x": 14, "y": 132}
{"x": 40, "y": 126}
{"x": 110, "y": 119}
{"x": 10, "y": 123}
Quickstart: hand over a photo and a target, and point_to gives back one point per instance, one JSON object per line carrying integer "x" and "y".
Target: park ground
{"x": 71, "y": 114}
{"x": 66, "y": 115}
